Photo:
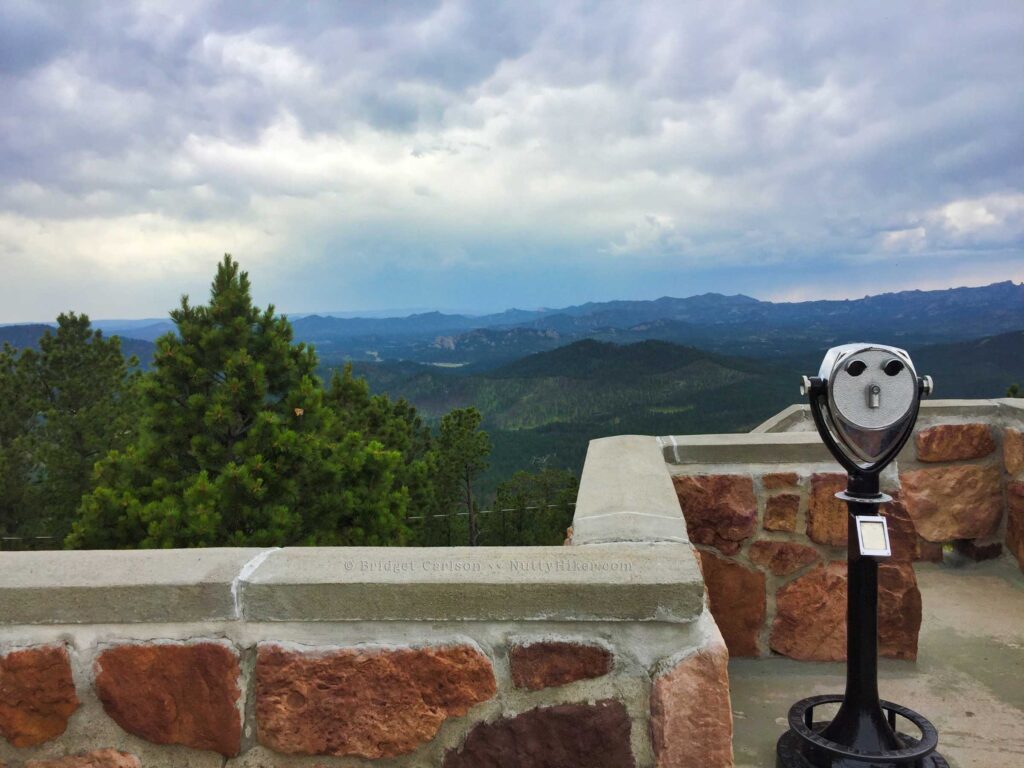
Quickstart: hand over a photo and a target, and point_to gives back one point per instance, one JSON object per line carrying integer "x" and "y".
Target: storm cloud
{"x": 482, "y": 155}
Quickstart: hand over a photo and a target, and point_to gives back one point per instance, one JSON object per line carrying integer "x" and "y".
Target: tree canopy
{"x": 237, "y": 445}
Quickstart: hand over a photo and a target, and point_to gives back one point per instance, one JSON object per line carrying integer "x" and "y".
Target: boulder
{"x": 782, "y": 557}
{"x": 954, "y": 502}
{"x": 37, "y": 694}
{"x": 954, "y": 442}
{"x": 827, "y": 516}
{"x": 737, "y": 598}
{"x": 810, "y": 614}
{"x": 564, "y": 736}
{"x": 550, "y": 663}
{"x": 780, "y": 512}
{"x": 691, "y": 712}
{"x": 174, "y": 693}
{"x": 365, "y": 703}
{"x": 720, "y": 510}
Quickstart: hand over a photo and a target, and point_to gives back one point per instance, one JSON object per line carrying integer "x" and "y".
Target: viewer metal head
{"x": 864, "y": 401}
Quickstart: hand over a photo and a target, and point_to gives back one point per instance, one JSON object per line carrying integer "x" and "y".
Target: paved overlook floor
{"x": 968, "y": 679}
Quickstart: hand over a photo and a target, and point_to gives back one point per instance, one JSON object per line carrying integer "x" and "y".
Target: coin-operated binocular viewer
{"x": 864, "y": 401}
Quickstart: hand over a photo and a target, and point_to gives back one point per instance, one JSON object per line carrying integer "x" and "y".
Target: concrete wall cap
{"x": 627, "y": 582}
{"x": 101, "y": 586}
{"x": 626, "y": 494}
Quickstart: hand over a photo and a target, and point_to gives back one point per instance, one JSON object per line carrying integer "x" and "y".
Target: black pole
{"x": 860, "y": 722}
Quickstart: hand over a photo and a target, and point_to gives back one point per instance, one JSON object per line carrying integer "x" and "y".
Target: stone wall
{"x": 772, "y": 538}
{"x": 596, "y": 654}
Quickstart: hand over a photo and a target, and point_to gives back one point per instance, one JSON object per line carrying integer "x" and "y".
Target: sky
{"x": 476, "y": 156}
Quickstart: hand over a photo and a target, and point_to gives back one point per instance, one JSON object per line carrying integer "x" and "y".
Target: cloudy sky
{"x": 481, "y": 155}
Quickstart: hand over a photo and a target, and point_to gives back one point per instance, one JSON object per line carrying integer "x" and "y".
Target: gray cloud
{"x": 423, "y": 153}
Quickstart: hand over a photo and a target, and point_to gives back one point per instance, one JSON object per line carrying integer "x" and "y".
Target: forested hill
{"x": 545, "y": 407}
{"x": 24, "y": 336}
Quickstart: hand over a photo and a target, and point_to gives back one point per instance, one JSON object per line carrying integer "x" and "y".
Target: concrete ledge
{"x": 626, "y": 494}
{"x": 795, "y": 418}
{"x": 630, "y": 582}
{"x": 323, "y": 584}
{"x": 90, "y": 587}
{"x": 746, "y": 448}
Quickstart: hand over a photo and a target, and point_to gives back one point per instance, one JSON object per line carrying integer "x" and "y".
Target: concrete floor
{"x": 968, "y": 679}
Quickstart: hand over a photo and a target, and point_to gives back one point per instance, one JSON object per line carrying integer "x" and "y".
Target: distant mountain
{"x": 729, "y": 324}
{"x": 149, "y": 331}
{"x": 23, "y": 336}
{"x": 979, "y": 368}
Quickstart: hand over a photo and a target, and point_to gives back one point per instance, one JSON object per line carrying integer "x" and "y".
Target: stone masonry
{"x": 761, "y": 509}
{"x": 400, "y": 658}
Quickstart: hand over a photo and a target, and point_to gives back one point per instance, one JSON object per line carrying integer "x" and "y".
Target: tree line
{"x": 231, "y": 439}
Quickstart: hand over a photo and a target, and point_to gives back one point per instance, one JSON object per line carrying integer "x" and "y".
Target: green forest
{"x": 231, "y": 438}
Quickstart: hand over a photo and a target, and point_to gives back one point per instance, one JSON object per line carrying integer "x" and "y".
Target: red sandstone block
{"x": 367, "y": 703}
{"x": 954, "y": 442}
{"x": 174, "y": 693}
{"x": 720, "y": 510}
{"x": 37, "y": 694}
{"x": 550, "y": 663}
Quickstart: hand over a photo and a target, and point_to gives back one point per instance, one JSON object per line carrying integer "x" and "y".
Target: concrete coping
{"x": 627, "y": 582}
{"x": 317, "y": 584}
{"x": 797, "y": 417}
{"x": 626, "y": 494}
{"x": 745, "y": 448}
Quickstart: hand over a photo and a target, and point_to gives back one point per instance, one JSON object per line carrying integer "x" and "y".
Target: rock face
{"x": 174, "y": 693}
{"x": 954, "y": 442}
{"x": 550, "y": 663}
{"x": 899, "y": 611}
{"x": 720, "y": 510}
{"x": 691, "y": 713}
{"x": 781, "y": 557}
{"x": 37, "y": 694}
{"x": 1015, "y": 521}
{"x": 1013, "y": 451}
{"x": 810, "y": 618}
{"x": 780, "y": 512}
{"x": 370, "y": 703}
{"x": 957, "y": 502}
{"x": 903, "y": 538}
{"x": 826, "y": 515}
{"x": 565, "y": 736}
{"x": 736, "y": 596}
{"x": 102, "y": 758}
{"x": 774, "y": 480}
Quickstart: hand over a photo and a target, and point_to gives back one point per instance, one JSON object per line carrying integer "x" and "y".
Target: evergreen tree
{"x": 462, "y": 452}
{"x": 17, "y": 419}
{"x": 66, "y": 405}
{"x": 532, "y": 508}
{"x": 87, "y": 405}
{"x": 398, "y": 427}
{"x": 237, "y": 446}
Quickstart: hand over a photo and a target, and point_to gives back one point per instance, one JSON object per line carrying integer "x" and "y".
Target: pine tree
{"x": 398, "y": 427}
{"x": 532, "y": 508}
{"x": 237, "y": 446}
{"x": 17, "y": 419}
{"x": 84, "y": 391}
{"x": 462, "y": 452}
{"x": 67, "y": 404}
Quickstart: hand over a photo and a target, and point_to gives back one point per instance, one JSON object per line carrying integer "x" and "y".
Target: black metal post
{"x": 860, "y": 722}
